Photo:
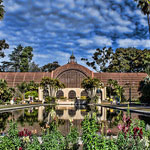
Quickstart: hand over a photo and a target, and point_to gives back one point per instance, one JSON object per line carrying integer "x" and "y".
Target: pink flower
{"x": 124, "y": 118}
{"x": 109, "y": 131}
{"x": 120, "y": 127}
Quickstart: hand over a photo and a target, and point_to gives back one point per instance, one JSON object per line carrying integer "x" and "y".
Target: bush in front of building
{"x": 50, "y": 99}
{"x": 34, "y": 94}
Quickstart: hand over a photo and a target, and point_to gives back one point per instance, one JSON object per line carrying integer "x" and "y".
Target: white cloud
{"x": 121, "y": 29}
{"x": 133, "y": 43}
{"x": 91, "y": 51}
{"x": 102, "y": 41}
{"x": 41, "y": 56}
{"x": 84, "y": 42}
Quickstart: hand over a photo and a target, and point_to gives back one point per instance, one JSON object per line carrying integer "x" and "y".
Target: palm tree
{"x": 145, "y": 8}
{"x": 91, "y": 85}
{"x": 52, "y": 85}
{"x": 111, "y": 84}
{"x": 119, "y": 91}
{"x": 22, "y": 88}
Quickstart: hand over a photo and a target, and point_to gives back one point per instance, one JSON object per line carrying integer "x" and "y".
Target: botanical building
{"x": 72, "y": 75}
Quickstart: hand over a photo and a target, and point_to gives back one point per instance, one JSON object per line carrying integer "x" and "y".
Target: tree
{"x": 6, "y": 93}
{"x": 50, "y": 67}
{"x": 15, "y": 58}
{"x": 144, "y": 5}
{"x": 26, "y": 57}
{"x": 20, "y": 59}
{"x": 32, "y": 86}
{"x": 91, "y": 85}
{"x": 101, "y": 58}
{"x": 114, "y": 89}
{"x": 33, "y": 67}
{"x": 51, "y": 85}
{"x": 144, "y": 87}
{"x": 128, "y": 60}
{"x": 122, "y": 60}
{"x": 110, "y": 87}
{"x": 3, "y": 46}
{"x": 2, "y": 11}
{"x": 22, "y": 88}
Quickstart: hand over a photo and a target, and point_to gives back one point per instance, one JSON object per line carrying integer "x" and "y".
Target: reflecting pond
{"x": 36, "y": 119}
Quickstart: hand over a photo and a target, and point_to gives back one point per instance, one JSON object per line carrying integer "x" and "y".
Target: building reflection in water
{"x": 37, "y": 118}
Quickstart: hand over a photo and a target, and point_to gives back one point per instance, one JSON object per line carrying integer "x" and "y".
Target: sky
{"x": 55, "y": 28}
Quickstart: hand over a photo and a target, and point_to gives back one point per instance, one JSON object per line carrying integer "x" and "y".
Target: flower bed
{"x": 132, "y": 136}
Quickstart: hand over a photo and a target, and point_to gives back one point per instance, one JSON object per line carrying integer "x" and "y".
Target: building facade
{"x": 72, "y": 75}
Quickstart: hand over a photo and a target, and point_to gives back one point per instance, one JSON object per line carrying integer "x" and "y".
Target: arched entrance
{"x": 84, "y": 93}
{"x": 59, "y": 94}
{"x": 72, "y": 94}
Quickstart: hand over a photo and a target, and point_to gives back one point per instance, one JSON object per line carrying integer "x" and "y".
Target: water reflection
{"x": 37, "y": 118}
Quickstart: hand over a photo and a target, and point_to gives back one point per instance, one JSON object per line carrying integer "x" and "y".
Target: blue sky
{"x": 55, "y": 28}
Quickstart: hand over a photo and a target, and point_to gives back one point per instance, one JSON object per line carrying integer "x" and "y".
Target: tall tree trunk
{"x": 148, "y": 19}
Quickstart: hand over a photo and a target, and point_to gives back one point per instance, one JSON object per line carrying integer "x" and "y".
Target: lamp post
{"x": 130, "y": 90}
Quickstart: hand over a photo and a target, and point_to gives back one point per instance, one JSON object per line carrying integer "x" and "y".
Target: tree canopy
{"x": 122, "y": 60}
{"x": 20, "y": 59}
{"x": 50, "y": 67}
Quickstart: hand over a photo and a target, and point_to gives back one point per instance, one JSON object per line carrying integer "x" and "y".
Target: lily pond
{"x": 36, "y": 119}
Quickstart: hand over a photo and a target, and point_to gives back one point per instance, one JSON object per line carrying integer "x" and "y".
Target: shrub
{"x": 31, "y": 93}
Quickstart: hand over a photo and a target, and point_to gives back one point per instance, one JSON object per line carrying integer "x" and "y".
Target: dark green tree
{"x": 20, "y": 59}
{"x": 33, "y": 67}
{"x": 6, "y": 93}
{"x": 26, "y": 57}
{"x": 144, "y": 5}
{"x": 129, "y": 60}
{"x": 122, "y": 60}
{"x": 3, "y": 46}
{"x": 50, "y": 67}
{"x": 15, "y": 58}
{"x": 144, "y": 87}
{"x": 101, "y": 58}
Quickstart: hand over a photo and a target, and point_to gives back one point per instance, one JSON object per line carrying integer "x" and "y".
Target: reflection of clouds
{"x": 62, "y": 25}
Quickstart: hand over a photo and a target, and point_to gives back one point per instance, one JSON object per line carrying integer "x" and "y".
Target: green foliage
{"x": 89, "y": 136}
{"x": 50, "y": 67}
{"x": 31, "y": 93}
{"x": 11, "y": 141}
{"x": 20, "y": 59}
{"x": 144, "y": 87}
{"x": 26, "y": 57}
{"x": 53, "y": 140}
{"x": 51, "y": 86}
{"x": 34, "y": 144}
{"x": 72, "y": 139}
{"x": 49, "y": 99}
{"x": 33, "y": 67}
{"x": 6, "y": 93}
{"x": 91, "y": 85}
{"x": 122, "y": 60}
{"x": 101, "y": 58}
{"x": 114, "y": 89}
